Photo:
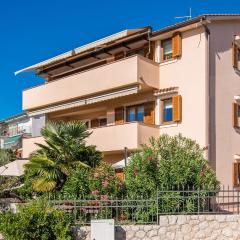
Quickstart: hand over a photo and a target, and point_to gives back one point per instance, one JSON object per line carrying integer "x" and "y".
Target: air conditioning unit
{"x": 102, "y": 229}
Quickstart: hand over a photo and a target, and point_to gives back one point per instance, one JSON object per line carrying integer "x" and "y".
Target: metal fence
{"x": 147, "y": 210}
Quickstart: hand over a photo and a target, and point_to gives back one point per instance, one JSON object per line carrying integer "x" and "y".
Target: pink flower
{"x": 95, "y": 192}
{"x": 104, "y": 197}
{"x": 105, "y": 184}
{"x": 149, "y": 158}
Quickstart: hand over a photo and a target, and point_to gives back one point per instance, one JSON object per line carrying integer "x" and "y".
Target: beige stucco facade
{"x": 202, "y": 75}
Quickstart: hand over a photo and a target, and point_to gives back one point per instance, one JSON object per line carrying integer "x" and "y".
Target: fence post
{"x": 238, "y": 201}
{"x": 157, "y": 208}
{"x": 198, "y": 192}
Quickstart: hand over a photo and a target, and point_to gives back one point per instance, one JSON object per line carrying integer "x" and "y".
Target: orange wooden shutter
{"x": 94, "y": 123}
{"x": 177, "y": 108}
{"x": 119, "y": 115}
{"x": 234, "y": 55}
{"x": 162, "y": 112}
{"x": 120, "y": 174}
{"x": 235, "y": 174}
{"x": 235, "y": 114}
{"x": 149, "y": 116}
{"x": 176, "y": 45}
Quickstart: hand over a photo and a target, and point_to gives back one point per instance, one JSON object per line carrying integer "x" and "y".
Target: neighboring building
{"x": 138, "y": 83}
{"x": 13, "y": 130}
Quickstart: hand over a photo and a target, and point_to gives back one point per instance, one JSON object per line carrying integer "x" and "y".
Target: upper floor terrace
{"x": 135, "y": 70}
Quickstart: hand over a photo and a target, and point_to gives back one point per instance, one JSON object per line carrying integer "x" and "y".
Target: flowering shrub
{"x": 103, "y": 182}
{"x": 99, "y": 183}
{"x": 168, "y": 162}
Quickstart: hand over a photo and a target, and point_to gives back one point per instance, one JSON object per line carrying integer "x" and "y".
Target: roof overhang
{"x": 86, "y": 101}
{"x": 88, "y": 48}
{"x": 192, "y": 23}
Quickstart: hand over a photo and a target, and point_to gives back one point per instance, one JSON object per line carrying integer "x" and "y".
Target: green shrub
{"x": 104, "y": 183}
{"x": 171, "y": 163}
{"x": 36, "y": 220}
{"x": 99, "y": 182}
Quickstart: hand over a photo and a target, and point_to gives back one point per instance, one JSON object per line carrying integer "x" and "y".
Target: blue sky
{"x": 32, "y": 31}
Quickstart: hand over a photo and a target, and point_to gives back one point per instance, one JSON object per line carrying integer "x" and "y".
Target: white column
{"x": 158, "y": 51}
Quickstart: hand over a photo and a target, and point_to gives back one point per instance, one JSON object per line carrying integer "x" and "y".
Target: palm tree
{"x": 64, "y": 150}
{"x": 6, "y": 156}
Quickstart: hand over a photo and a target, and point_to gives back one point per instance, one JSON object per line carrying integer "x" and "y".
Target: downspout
{"x": 149, "y": 42}
{"x": 207, "y": 89}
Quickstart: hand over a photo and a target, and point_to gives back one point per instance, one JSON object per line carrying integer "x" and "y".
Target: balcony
{"x": 110, "y": 138}
{"x": 120, "y": 74}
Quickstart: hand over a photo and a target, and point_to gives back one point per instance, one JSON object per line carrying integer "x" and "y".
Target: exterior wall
{"x": 189, "y": 74}
{"x": 225, "y": 84}
{"x": 121, "y": 73}
{"x": 28, "y": 145}
{"x": 179, "y": 227}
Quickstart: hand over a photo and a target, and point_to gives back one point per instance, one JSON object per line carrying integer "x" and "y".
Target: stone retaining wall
{"x": 178, "y": 227}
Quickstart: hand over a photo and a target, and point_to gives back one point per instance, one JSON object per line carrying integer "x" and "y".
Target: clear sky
{"x": 35, "y": 30}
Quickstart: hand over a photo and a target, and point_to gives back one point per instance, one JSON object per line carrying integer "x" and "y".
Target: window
{"x": 102, "y": 122}
{"x": 172, "y": 47}
{"x": 236, "y": 56}
{"x": 236, "y": 115}
{"x": 167, "y": 110}
{"x": 171, "y": 110}
{"x": 98, "y": 122}
{"x": 167, "y": 49}
{"x": 135, "y": 113}
{"x": 236, "y": 174}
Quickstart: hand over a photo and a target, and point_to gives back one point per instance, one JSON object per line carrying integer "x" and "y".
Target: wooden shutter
{"x": 235, "y": 114}
{"x": 149, "y": 116}
{"x": 235, "y": 174}
{"x": 162, "y": 112}
{"x": 120, "y": 174}
{"x": 177, "y": 108}
{"x": 176, "y": 45}
{"x": 234, "y": 55}
{"x": 94, "y": 123}
{"x": 119, "y": 115}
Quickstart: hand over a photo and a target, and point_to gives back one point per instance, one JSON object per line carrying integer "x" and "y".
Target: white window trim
{"x": 166, "y": 62}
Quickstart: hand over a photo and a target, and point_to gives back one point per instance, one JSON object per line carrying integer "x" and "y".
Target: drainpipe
{"x": 149, "y": 42}
{"x": 207, "y": 88}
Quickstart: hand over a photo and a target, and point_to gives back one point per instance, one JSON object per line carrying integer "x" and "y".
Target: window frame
{"x": 162, "y": 50}
{"x": 136, "y": 112}
{"x": 162, "y": 111}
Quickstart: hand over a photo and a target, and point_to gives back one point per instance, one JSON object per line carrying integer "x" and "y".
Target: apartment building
{"x": 12, "y": 130}
{"x": 135, "y": 84}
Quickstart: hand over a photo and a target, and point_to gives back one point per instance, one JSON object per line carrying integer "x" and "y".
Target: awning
{"x": 11, "y": 141}
{"x": 120, "y": 164}
{"x": 164, "y": 91}
{"x": 15, "y": 168}
{"x": 88, "y": 47}
{"x": 86, "y": 101}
